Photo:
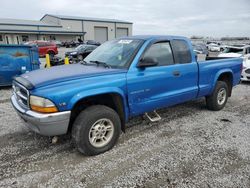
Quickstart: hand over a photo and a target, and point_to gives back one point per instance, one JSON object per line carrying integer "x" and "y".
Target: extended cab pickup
{"x": 120, "y": 79}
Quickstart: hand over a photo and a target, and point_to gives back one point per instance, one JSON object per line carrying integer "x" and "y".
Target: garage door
{"x": 121, "y": 32}
{"x": 101, "y": 34}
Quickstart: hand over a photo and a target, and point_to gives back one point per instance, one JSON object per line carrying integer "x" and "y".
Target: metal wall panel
{"x": 101, "y": 34}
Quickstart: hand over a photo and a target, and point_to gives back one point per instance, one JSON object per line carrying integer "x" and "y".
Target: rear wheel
{"x": 96, "y": 130}
{"x": 218, "y": 99}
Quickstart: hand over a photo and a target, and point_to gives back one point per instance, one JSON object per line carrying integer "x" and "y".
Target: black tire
{"x": 212, "y": 101}
{"x": 83, "y": 124}
{"x": 80, "y": 57}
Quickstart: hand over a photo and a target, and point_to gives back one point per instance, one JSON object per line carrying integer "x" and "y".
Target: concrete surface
{"x": 190, "y": 147}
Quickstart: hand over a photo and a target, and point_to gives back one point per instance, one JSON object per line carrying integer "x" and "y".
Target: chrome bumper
{"x": 45, "y": 124}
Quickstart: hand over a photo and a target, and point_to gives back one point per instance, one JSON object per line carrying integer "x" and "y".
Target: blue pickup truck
{"x": 120, "y": 79}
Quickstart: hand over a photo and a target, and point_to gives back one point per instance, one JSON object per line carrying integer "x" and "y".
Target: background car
{"x": 45, "y": 47}
{"x": 57, "y": 42}
{"x": 92, "y": 42}
{"x": 245, "y": 75}
{"x": 235, "y": 51}
{"x": 71, "y": 44}
{"x": 213, "y": 42}
{"x": 200, "y": 49}
{"x": 81, "y": 51}
{"x": 242, "y": 51}
{"x": 214, "y": 47}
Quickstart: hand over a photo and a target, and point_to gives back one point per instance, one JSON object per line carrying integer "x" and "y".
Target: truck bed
{"x": 210, "y": 70}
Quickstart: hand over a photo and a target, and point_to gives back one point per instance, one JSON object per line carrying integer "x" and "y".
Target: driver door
{"x": 163, "y": 85}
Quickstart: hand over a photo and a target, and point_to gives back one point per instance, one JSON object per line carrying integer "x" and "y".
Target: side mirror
{"x": 147, "y": 62}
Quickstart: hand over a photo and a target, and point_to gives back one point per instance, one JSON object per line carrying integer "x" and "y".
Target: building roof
{"x": 59, "y": 31}
{"x": 86, "y": 18}
{"x": 8, "y": 21}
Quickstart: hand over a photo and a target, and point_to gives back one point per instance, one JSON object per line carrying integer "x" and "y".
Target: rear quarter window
{"x": 181, "y": 51}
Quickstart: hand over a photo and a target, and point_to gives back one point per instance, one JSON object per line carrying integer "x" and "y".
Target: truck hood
{"x": 43, "y": 77}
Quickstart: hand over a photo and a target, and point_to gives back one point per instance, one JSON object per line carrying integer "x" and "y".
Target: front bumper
{"x": 45, "y": 124}
{"x": 245, "y": 76}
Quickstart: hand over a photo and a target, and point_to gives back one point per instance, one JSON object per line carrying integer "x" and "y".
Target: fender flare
{"x": 218, "y": 74}
{"x": 107, "y": 90}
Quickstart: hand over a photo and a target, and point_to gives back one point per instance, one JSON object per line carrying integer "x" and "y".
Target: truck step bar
{"x": 153, "y": 117}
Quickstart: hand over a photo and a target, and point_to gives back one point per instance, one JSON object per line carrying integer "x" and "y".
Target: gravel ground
{"x": 189, "y": 147}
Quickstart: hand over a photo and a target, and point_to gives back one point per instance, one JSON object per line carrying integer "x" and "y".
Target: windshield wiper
{"x": 101, "y": 63}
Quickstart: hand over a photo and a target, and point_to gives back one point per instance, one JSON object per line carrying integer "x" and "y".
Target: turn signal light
{"x": 44, "y": 109}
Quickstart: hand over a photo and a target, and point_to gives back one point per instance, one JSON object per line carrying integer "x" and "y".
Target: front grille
{"x": 247, "y": 71}
{"x": 21, "y": 94}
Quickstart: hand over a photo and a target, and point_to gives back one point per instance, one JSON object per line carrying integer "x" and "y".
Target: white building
{"x": 62, "y": 28}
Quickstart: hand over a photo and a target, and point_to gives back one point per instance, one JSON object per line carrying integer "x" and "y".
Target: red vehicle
{"x": 45, "y": 47}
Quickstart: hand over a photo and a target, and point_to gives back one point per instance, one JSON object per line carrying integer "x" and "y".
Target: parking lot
{"x": 189, "y": 147}
{"x": 61, "y": 54}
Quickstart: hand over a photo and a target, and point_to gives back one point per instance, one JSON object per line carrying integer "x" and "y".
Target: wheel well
{"x": 228, "y": 79}
{"x": 111, "y": 100}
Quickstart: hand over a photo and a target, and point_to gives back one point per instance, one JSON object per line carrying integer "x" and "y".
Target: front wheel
{"x": 80, "y": 57}
{"x": 96, "y": 130}
{"x": 218, "y": 99}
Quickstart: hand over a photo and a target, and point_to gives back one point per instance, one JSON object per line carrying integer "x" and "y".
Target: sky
{"x": 210, "y": 18}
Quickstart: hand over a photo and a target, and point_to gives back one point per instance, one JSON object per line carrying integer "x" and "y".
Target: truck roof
{"x": 149, "y": 37}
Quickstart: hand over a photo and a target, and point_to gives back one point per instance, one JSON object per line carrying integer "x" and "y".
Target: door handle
{"x": 176, "y": 73}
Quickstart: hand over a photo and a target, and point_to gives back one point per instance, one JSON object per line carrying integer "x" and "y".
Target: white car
{"x": 245, "y": 75}
{"x": 243, "y": 52}
{"x": 214, "y": 47}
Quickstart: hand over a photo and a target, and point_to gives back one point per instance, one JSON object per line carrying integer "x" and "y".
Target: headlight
{"x": 73, "y": 53}
{"x": 42, "y": 105}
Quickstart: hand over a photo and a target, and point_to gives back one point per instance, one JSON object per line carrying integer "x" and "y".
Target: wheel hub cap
{"x": 101, "y": 132}
{"x": 221, "y": 97}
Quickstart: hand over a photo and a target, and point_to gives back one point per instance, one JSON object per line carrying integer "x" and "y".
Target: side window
{"x": 88, "y": 48}
{"x": 161, "y": 52}
{"x": 1, "y": 38}
{"x": 181, "y": 51}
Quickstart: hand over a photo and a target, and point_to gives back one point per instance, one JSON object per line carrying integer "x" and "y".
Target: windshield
{"x": 233, "y": 50}
{"x": 115, "y": 53}
{"x": 80, "y": 47}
